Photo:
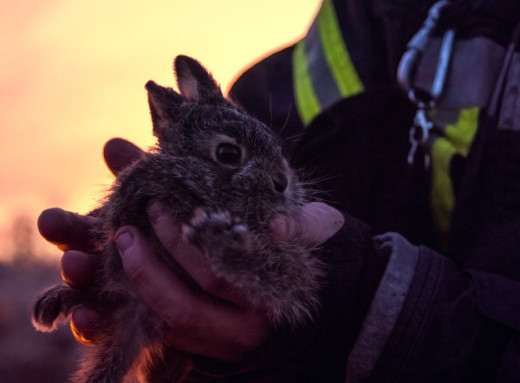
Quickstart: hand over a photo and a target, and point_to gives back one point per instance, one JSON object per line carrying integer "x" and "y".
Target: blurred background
{"x": 72, "y": 75}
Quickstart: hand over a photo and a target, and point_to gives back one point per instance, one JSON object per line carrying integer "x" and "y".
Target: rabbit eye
{"x": 228, "y": 154}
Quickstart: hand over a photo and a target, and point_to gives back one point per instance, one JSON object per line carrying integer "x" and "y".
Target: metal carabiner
{"x": 417, "y": 46}
{"x": 418, "y": 135}
{"x": 420, "y": 130}
{"x": 442, "y": 66}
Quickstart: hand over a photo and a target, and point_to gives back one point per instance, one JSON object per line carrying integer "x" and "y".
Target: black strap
{"x": 507, "y": 10}
{"x": 488, "y": 352}
{"x": 494, "y": 19}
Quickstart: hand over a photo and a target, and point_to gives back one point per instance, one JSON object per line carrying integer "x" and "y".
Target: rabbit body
{"x": 222, "y": 175}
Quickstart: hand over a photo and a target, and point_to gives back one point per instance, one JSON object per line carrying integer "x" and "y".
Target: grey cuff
{"x": 386, "y": 305}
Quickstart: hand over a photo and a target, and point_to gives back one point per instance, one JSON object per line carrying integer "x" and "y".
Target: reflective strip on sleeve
{"x": 323, "y": 72}
{"x": 336, "y": 52}
{"x": 306, "y": 100}
{"x": 457, "y": 140}
{"x": 386, "y": 306}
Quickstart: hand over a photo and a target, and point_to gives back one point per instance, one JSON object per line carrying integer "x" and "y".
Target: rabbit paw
{"x": 216, "y": 231}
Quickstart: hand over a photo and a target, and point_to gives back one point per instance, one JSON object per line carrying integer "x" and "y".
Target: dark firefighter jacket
{"x": 434, "y": 296}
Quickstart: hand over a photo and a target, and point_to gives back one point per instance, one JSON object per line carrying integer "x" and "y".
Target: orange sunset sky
{"x": 72, "y": 75}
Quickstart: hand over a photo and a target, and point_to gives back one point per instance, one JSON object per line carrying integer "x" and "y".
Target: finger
{"x": 316, "y": 223}
{"x": 190, "y": 257}
{"x": 67, "y": 230}
{"x": 198, "y": 323}
{"x": 85, "y": 325}
{"x": 119, "y": 154}
{"x": 77, "y": 268}
{"x": 145, "y": 272}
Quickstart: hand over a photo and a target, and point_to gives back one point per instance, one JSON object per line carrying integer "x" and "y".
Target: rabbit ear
{"x": 164, "y": 103}
{"x": 195, "y": 82}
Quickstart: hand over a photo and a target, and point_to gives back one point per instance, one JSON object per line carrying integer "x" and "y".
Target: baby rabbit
{"x": 222, "y": 175}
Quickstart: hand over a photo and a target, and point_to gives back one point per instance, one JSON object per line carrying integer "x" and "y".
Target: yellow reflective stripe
{"x": 458, "y": 138}
{"x": 462, "y": 133}
{"x": 443, "y": 199}
{"x": 336, "y": 52}
{"x": 306, "y": 101}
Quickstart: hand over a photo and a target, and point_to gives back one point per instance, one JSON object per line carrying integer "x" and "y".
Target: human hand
{"x": 216, "y": 323}
{"x": 72, "y": 233}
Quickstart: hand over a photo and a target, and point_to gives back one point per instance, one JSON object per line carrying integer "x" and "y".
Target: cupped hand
{"x": 215, "y": 322}
{"x": 72, "y": 233}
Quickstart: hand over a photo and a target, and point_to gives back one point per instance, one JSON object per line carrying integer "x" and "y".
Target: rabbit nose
{"x": 280, "y": 182}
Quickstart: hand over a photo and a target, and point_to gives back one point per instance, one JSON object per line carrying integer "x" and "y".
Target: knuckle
{"x": 179, "y": 319}
{"x": 171, "y": 238}
{"x": 136, "y": 273}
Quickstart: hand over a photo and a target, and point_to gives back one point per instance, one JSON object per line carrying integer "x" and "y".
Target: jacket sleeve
{"x": 430, "y": 322}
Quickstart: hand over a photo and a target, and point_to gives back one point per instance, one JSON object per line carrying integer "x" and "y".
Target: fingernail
{"x": 337, "y": 218}
{"x": 124, "y": 241}
{"x": 85, "y": 324}
{"x": 330, "y": 219}
{"x": 76, "y": 268}
{"x": 154, "y": 211}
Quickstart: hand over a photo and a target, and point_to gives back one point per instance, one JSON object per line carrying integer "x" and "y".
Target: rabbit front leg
{"x": 225, "y": 240}
{"x": 56, "y": 301}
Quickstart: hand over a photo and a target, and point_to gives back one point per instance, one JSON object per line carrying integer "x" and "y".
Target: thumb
{"x": 316, "y": 223}
{"x": 119, "y": 153}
